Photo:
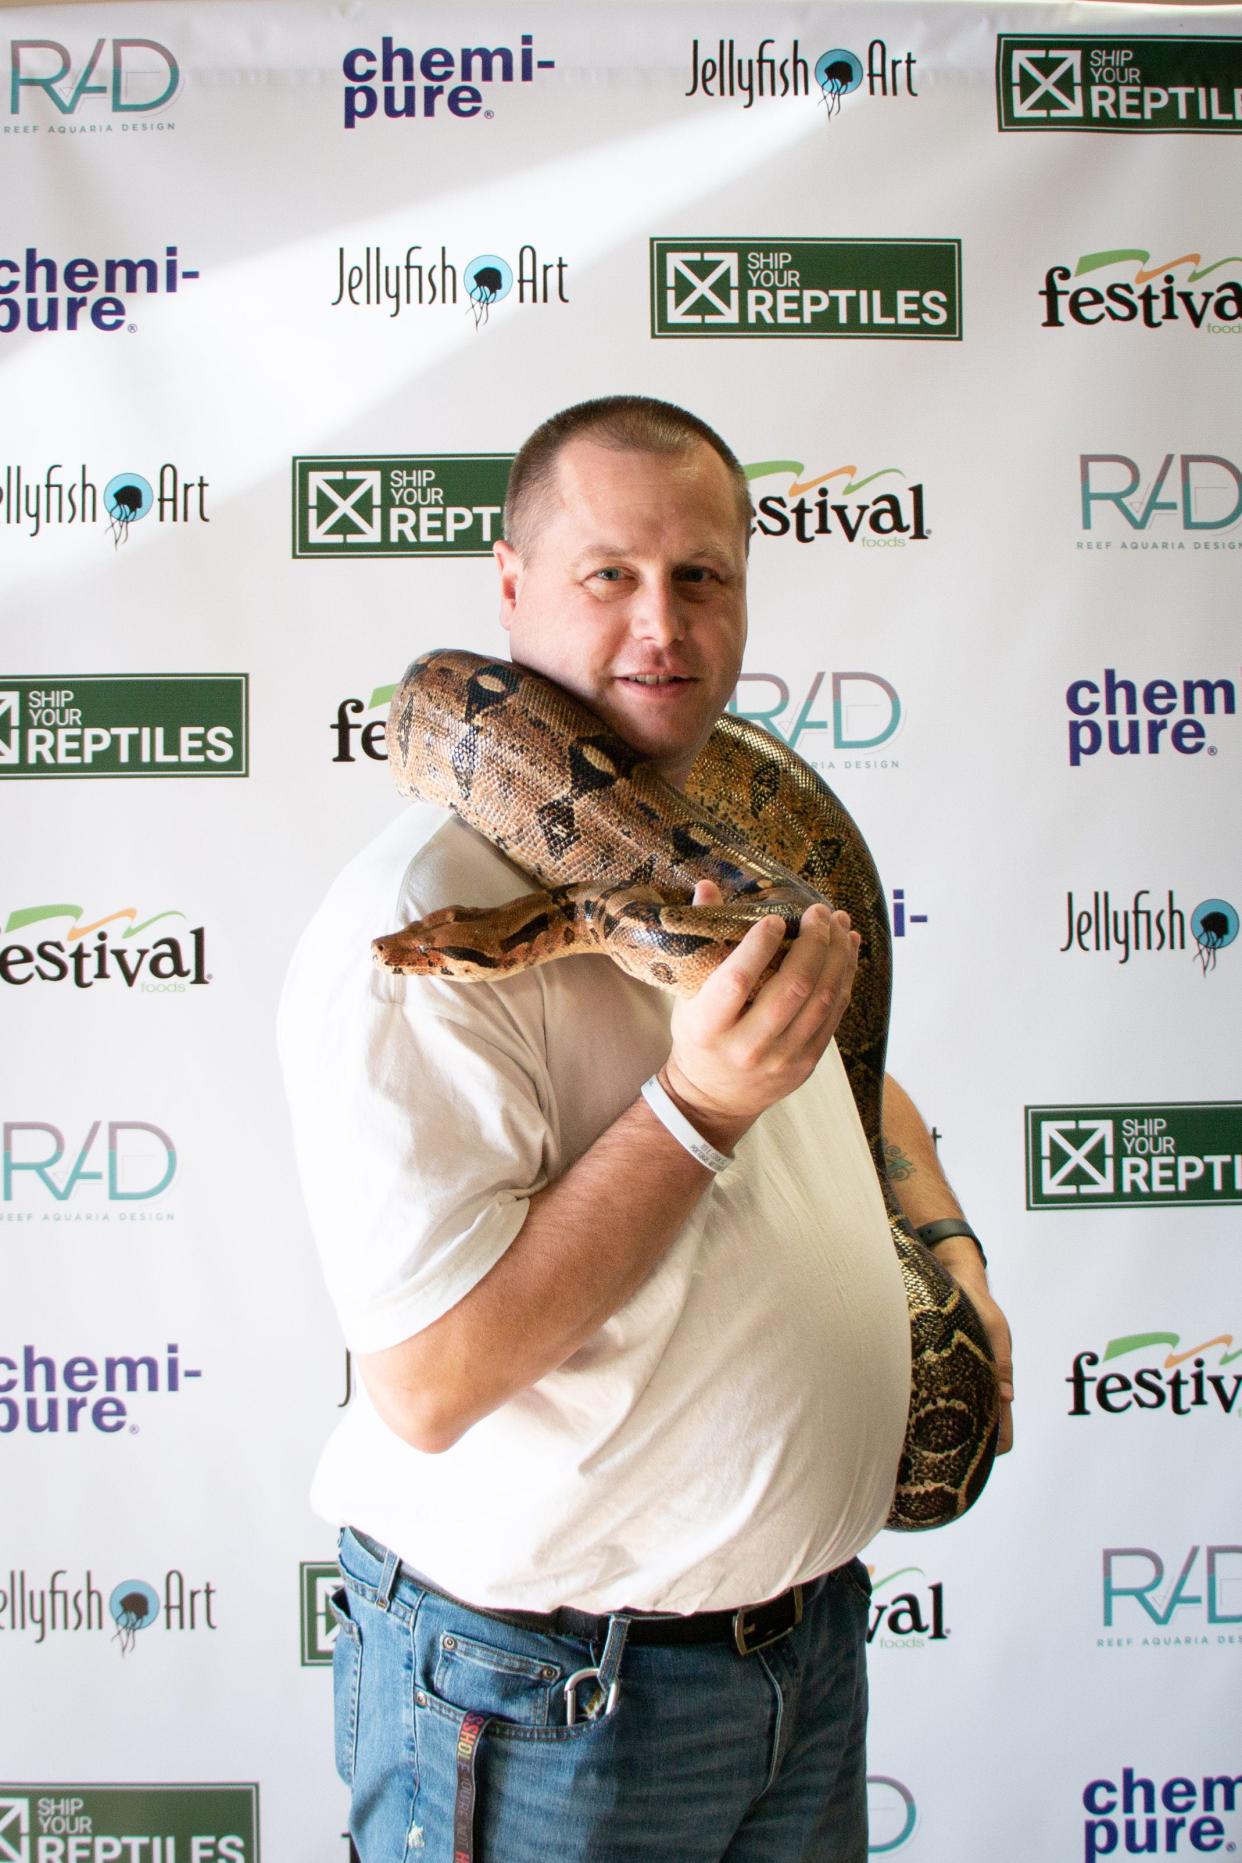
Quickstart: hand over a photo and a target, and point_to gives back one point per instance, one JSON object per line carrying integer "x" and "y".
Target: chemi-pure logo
{"x": 43, "y": 1395}
{"x": 1143, "y": 83}
{"x": 895, "y": 288}
{"x": 1149, "y": 296}
{"x": 1136, "y": 1817}
{"x": 44, "y": 1608}
{"x": 719, "y": 70}
{"x": 1123, "y": 931}
{"x": 1145, "y": 1156}
{"x": 1204, "y": 1581}
{"x": 1126, "y": 720}
{"x": 1160, "y": 1383}
{"x": 909, "y": 1618}
{"x": 122, "y": 78}
{"x": 863, "y": 713}
{"x": 417, "y": 283}
{"x": 119, "y": 1161}
{"x": 168, "y": 964}
{"x": 396, "y": 82}
{"x": 318, "y": 1580}
{"x": 399, "y": 504}
{"x": 891, "y": 1814}
{"x": 39, "y": 504}
{"x": 41, "y": 294}
{"x": 152, "y": 1823}
{"x": 147, "y": 724}
{"x": 1204, "y": 495}
{"x": 888, "y": 518}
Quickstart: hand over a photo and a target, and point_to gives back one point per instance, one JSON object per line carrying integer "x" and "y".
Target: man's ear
{"x": 509, "y": 569}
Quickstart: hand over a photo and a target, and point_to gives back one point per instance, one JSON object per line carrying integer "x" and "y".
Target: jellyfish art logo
{"x": 487, "y": 279}
{"x": 1215, "y": 925}
{"x": 127, "y": 497}
{"x": 891, "y": 1814}
{"x": 837, "y": 73}
{"x": 132, "y": 1607}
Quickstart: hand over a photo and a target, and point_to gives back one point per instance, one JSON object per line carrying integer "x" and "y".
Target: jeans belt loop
{"x": 607, "y": 1678}
{"x": 387, "y": 1580}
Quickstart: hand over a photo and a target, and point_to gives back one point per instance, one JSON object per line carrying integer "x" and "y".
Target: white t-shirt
{"x": 735, "y": 1427}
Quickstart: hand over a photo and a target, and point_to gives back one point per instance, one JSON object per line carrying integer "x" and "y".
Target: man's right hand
{"x": 731, "y": 1057}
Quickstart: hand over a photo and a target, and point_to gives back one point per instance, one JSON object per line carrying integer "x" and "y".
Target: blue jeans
{"x": 706, "y": 1755}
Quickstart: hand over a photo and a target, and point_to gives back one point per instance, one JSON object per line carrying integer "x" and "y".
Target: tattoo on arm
{"x": 899, "y": 1166}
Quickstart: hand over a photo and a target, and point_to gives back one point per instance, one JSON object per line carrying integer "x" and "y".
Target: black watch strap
{"x": 931, "y": 1233}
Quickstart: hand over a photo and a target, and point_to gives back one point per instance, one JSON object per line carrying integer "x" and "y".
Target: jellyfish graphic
{"x": 487, "y": 279}
{"x": 132, "y": 1607}
{"x": 837, "y": 73}
{"x": 126, "y": 498}
{"x": 1215, "y": 925}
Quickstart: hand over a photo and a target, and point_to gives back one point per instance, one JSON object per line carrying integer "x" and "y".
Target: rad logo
{"x": 864, "y": 713}
{"x": 41, "y": 295}
{"x": 1145, "y": 83}
{"x": 1136, "y": 1596}
{"x": 413, "y": 84}
{"x": 1110, "y": 720}
{"x": 889, "y": 288}
{"x": 134, "y": 76}
{"x": 1161, "y": 1385}
{"x": 887, "y": 519}
{"x": 399, "y": 504}
{"x": 167, "y": 965}
{"x": 126, "y": 1161}
{"x": 46, "y": 1396}
{"x": 1147, "y": 1156}
{"x": 155, "y": 1823}
{"x": 1137, "y": 1817}
{"x": 1139, "y": 299}
{"x": 1205, "y": 495}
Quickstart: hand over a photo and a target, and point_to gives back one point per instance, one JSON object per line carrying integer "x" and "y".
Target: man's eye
{"x": 694, "y": 573}
{"x": 608, "y": 575}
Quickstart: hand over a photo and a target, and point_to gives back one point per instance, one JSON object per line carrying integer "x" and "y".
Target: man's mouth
{"x": 655, "y": 679}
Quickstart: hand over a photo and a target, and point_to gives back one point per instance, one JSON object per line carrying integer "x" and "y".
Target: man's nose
{"x": 656, "y": 613}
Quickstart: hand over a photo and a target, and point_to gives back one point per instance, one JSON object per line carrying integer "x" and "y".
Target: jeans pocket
{"x": 857, "y": 1579}
{"x": 485, "y": 1679}
{"x": 346, "y": 1679}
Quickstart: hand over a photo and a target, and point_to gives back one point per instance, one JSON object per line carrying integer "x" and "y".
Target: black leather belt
{"x": 750, "y": 1629}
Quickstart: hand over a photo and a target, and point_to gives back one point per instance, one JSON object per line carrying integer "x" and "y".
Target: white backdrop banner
{"x": 282, "y": 289}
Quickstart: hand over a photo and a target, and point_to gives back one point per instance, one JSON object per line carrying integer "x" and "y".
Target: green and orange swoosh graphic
{"x": 1146, "y": 271}
{"x": 1141, "y": 1342}
{"x": 35, "y": 915}
{"x": 764, "y": 468}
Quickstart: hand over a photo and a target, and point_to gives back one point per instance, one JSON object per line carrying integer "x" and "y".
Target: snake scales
{"x": 618, "y": 851}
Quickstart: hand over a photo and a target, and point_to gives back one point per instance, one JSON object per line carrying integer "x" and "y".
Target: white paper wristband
{"x": 674, "y": 1120}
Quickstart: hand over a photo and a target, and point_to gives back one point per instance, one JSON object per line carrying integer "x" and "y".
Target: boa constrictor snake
{"x": 618, "y": 851}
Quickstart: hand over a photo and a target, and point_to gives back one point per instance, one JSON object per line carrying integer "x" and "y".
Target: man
{"x": 623, "y": 1412}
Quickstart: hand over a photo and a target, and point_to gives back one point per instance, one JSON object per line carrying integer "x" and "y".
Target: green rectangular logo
{"x": 1141, "y": 84}
{"x": 319, "y": 1581}
{"x": 891, "y": 288}
{"x": 159, "y": 1823}
{"x": 1134, "y": 1156}
{"x": 147, "y": 724}
{"x": 397, "y": 504}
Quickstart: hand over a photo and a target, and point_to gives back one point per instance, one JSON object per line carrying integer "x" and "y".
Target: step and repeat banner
{"x": 282, "y": 289}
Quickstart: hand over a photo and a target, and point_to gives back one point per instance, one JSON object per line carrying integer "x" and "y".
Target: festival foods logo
{"x": 88, "y": 84}
{"x": 726, "y": 71}
{"x": 148, "y": 724}
{"x": 1130, "y": 718}
{"x": 906, "y": 1612}
{"x": 1134, "y": 1156}
{"x": 1139, "y": 926}
{"x": 318, "y": 1580}
{"x": 1178, "y": 497}
{"x": 153, "y": 1823}
{"x": 1188, "y": 288}
{"x": 1144, "y": 1592}
{"x": 1140, "y": 85}
{"x": 399, "y": 504}
{"x": 363, "y": 723}
{"x": 765, "y": 287}
{"x": 43, "y": 1394}
{"x": 814, "y": 506}
{"x": 396, "y": 82}
{"x": 41, "y": 294}
{"x": 39, "y": 503}
{"x": 49, "y": 950}
{"x": 1159, "y": 1371}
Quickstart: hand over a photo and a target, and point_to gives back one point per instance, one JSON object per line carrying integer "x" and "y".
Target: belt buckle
{"x": 749, "y": 1637}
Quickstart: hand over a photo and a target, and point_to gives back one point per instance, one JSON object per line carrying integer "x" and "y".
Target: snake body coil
{"x": 618, "y": 851}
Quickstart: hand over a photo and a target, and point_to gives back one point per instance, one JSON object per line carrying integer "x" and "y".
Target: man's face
{"x": 633, "y": 594}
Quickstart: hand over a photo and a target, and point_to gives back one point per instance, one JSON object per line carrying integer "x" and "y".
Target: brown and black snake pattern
{"x": 618, "y": 850}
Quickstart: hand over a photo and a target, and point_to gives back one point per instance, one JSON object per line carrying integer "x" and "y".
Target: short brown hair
{"x": 630, "y": 424}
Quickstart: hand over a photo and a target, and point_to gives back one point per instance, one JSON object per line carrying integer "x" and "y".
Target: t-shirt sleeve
{"x": 419, "y": 1122}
